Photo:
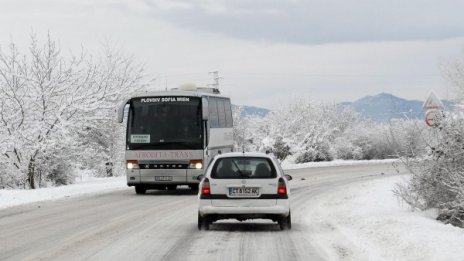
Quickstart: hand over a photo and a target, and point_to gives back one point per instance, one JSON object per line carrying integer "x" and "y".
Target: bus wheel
{"x": 159, "y": 187}
{"x": 139, "y": 189}
{"x": 171, "y": 187}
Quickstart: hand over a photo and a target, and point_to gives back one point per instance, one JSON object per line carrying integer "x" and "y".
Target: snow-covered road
{"x": 161, "y": 225}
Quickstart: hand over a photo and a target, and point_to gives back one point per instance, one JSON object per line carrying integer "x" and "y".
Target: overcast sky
{"x": 267, "y": 51}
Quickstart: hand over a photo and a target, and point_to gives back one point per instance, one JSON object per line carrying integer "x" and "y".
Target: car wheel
{"x": 285, "y": 222}
{"x": 289, "y": 221}
{"x": 140, "y": 189}
{"x": 200, "y": 222}
{"x": 203, "y": 222}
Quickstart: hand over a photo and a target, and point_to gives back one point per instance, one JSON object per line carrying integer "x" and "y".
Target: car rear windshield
{"x": 243, "y": 168}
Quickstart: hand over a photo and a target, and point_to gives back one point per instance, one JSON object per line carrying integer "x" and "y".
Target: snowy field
{"x": 334, "y": 163}
{"x": 9, "y": 198}
{"x": 365, "y": 221}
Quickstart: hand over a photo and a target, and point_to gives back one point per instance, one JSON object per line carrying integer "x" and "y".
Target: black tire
{"x": 140, "y": 190}
{"x": 203, "y": 222}
{"x": 285, "y": 223}
{"x": 171, "y": 187}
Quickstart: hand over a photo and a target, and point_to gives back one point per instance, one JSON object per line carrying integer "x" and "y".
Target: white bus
{"x": 172, "y": 135}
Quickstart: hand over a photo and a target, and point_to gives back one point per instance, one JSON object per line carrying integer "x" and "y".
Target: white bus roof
{"x": 193, "y": 93}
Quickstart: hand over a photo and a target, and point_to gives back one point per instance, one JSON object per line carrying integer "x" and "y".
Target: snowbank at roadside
{"x": 9, "y": 198}
{"x": 88, "y": 185}
{"x": 365, "y": 221}
{"x": 334, "y": 163}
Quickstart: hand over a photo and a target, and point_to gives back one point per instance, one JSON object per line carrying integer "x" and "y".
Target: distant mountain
{"x": 384, "y": 106}
{"x": 252, "y": 111}
{"x": 380, "y": 108}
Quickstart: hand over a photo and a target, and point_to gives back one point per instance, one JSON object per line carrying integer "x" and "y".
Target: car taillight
{"x": 132, "y": 164}
{"x": 282, "y": 187}
{"x": 205, "y": 188}
{"x": 195, "y": 164}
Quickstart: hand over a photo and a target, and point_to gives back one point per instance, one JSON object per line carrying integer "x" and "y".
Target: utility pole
{"x": 216, "y": 79}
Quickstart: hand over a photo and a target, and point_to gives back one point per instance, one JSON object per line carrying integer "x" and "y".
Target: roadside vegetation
{"x": 437, "y": 180}
{"x": 306, "y": 132}
{"x": 57, "y": 112}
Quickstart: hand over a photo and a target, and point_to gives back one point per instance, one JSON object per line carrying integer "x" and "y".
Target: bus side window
{"x": 228, "y": 110}
{"x": 213, "y": 113}
{"x": 221, "y": 113}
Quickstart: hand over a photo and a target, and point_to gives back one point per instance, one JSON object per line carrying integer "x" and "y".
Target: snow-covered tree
{"x": 437, "y": 180}
{"x": 57, "y": 110}
{"x": 301, "y": 131}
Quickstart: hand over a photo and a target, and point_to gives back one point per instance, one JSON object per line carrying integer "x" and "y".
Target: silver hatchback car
{"x": 244, "y": 186}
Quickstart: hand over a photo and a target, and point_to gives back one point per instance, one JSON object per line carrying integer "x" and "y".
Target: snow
{"x": 9, "y": 198}
{"x": 361, "y": 221}
{"x": 286, "y": 165}
{"x": 88, "y": 185}
{"x": 365, "y": 221}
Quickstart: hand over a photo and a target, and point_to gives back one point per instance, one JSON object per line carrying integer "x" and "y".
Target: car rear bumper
{"x": 282, "y": 208}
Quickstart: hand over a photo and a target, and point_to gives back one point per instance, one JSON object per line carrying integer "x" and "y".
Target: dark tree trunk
{"x": 31, "y": 173}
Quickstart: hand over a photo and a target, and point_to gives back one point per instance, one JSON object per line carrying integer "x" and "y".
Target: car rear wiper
{"x": 238, "y": 169}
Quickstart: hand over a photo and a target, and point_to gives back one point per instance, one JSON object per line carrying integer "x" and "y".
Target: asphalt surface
{"x": 162, "y": 225}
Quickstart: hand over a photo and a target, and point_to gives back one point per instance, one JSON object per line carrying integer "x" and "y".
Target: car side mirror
{"x": 288, "y": 177}
{"x": 200, "y": 177}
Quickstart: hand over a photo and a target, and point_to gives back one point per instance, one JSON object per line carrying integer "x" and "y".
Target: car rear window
{"x": 243, "y": 168}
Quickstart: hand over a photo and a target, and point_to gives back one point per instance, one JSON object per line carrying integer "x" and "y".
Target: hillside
{"x": 384, "y": 106}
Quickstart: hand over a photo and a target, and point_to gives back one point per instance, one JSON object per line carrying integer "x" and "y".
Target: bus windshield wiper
{"x": 169, "y": 143}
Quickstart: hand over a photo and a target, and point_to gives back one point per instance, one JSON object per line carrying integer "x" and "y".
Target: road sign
{"x": 433, "y": 117}
{"x": 433, "y": 108}
{"x": 432, "y": 103}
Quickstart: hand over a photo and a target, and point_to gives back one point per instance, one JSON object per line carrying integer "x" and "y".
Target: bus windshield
{"x": 165, "y": 123}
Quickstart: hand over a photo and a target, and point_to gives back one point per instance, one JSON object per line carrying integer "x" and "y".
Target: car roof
{"x": 244, "y": 154}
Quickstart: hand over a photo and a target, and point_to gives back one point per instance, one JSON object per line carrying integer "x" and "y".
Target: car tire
{"x": 203, "y": 222}
{"x": 285, "y": 223}
{"x": 140, "y": 190}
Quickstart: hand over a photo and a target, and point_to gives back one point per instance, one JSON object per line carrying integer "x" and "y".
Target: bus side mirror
{"x": 205, "y": 108}
{"x": 121, "y": 111}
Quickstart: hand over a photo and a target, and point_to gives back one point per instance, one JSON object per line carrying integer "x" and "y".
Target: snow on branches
{"x": 304, "y": 131}
{"x": 437, "y": 180}
{"x": 49, "y": 102}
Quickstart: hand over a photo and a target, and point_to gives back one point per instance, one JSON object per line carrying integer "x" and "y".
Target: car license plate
{"x": 163, "y": 178}
{"x": 243, "y": 192}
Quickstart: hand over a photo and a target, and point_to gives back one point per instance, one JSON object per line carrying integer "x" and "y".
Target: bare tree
{"x": 47, "y": 99}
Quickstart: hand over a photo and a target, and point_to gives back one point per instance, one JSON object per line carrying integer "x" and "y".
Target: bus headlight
{"x": 196, "y": 164}
{"x": 132, "y": 164}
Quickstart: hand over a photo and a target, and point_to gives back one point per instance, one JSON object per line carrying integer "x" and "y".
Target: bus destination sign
{"x": 165, "y": 99}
